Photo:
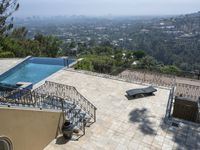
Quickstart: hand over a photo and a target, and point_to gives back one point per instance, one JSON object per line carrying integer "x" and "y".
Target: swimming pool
{"x": 33, "y": 70}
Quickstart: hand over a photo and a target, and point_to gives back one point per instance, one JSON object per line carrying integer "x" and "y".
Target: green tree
{"x": 84, "y": 64}
{"x": 139, "y": 54}
{"x": 7, "y": 8}
{"x": 12, "y": 45}
{"x": 6, "y": 54}
{"x": 101, "y": 64}
{"x": 19, "y": 33}
{"x": 48, "y": 45}
{"x": 129, "y": 55}
{"x": 148, "y": 63}
{"x": 171, "y": 70}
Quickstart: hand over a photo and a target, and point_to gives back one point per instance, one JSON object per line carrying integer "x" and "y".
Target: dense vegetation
{"x": 13, "y": 42}
{"x": 20, "y": 47}
{"x": 105, "y": 59}
{"x": 174, "y": 41}
{"x": 182, "y": 52}
{"x": 171, "y": 40}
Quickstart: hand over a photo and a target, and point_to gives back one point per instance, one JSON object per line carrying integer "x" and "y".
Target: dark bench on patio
{"x": 141, "y": 91}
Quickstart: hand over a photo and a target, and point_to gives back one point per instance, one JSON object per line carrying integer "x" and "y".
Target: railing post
{"x": 171, "y": 104}
{"x": 62, "y": 103}
{"x": 94, "y": 114}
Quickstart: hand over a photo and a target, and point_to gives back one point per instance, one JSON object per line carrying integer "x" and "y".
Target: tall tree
{"x": 148, "y": 63}
{"x": 19, "y": 33}
{"x": 7, "y": 8}
{"x": 49, "y": 45}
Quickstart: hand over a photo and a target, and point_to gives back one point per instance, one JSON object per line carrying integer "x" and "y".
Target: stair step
{"x": 75, "y": 112}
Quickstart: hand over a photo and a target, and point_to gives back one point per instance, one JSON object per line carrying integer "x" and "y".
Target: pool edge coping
{"x": 14, "y": 65}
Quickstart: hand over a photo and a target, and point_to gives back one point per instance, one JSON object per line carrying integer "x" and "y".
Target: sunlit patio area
{"x": 122, "y": 123}
{"x": 7, "y": 63}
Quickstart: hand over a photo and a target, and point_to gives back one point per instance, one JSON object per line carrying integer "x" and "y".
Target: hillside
{"x": 173, "y": 40}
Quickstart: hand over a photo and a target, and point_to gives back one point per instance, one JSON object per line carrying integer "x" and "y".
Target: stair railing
{"x": 69, "y": 93}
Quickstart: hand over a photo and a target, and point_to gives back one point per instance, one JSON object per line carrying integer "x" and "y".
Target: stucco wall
{"x": 29, "y": 129}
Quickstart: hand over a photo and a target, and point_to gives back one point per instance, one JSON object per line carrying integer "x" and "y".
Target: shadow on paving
{"x": 183, "y": 137}
{"x": 61, "y": 140}
{"x": 141, "y": 117}
{"x": 138, "y": 96}
{"x": 186, "y": 137}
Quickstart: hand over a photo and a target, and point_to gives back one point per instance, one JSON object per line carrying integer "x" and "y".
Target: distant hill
{"x": 174, "y": 40}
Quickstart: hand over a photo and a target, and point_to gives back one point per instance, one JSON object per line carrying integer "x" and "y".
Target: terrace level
{"x": 122, "y": 123}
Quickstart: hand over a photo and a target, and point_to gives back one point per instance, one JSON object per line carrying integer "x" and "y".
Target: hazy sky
{"x": 106, "y": 7}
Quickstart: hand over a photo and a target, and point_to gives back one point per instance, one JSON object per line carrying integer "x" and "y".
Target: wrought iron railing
{"x": 16, "y": 97}
{"x": 190, "y": 92}
{"x": 68, "y": 93}
{"x": 187, "y": 91}
{"x": 77, "y": 120}
{"x": 170, "y": 104}
{"x": 6, "y": 89}
{"x": 57, "y": 103}
{"x": 154, "y": 79}
{"x": 76, "y": 107}
{"x": 44, "y": 101}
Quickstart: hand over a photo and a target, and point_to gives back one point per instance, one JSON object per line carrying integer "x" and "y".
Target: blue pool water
{"x": 33, "y": 69}
{"x": 31, "y": 72}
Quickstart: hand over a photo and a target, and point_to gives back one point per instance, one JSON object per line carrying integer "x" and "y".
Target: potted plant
{"x": 67, "y": 129}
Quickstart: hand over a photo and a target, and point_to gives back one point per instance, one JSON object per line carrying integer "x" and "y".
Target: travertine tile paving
{"x": 7, "y": 63}
{"x": 124, "y": 124}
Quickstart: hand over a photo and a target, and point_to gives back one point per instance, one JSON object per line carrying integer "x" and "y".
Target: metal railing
{"x": 76, "y": 107}
{"x": 46, "y": 101}
{"x": 190, "y": 92}
{"x": 77, "y": 120}
{"x": 69, "y": 93}
{"x": 187, "y": 91}
{"x": 154, "y": 79}
{"x": 198, "y": 115}
{"x": 16, "y": 97}
{"x": 170, "y": 104}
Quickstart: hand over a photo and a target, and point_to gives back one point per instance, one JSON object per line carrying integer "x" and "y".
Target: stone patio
{"x": 124, "y": 124}
{"x": 7, "y": 63}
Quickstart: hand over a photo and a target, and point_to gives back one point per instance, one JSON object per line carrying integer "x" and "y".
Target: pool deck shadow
{"x": 61, "y": 140}
{"x": 137, "y": 97}
{"x": 141, "y": 117}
